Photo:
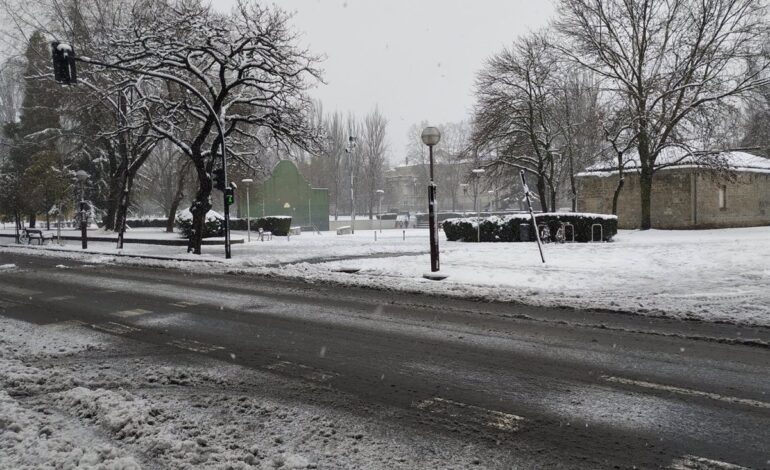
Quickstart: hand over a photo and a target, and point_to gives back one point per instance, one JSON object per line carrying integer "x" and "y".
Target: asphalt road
{"x": 576, "y": 389}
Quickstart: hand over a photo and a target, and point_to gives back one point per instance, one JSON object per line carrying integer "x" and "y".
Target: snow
{"x": 72, "y": 397}
{"x": 677, "y": 157}
{"x": 655, "y": 272}
{"x": 211, "y": 216}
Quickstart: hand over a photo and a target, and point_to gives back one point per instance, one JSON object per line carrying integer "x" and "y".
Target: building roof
{"x": 675, "y": 157}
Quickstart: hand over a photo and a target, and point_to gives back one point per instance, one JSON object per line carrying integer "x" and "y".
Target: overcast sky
{"x": 416, "y": 59}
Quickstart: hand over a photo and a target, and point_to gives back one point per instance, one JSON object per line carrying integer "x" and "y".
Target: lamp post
{"x": 430, "y": 137}
{"x": 379, "y": 210}
{"x": 477, "y": 172}
{"x": 247, "y": 182}
{"x": 82, "y": 176}
{"x": 351, "y": 146}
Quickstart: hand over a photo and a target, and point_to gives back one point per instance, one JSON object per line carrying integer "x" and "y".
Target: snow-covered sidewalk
{"x": 713, "y": 275}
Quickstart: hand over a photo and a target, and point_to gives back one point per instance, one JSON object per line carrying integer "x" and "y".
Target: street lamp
{"x": 82, "y": 176}
{"x": 351, "y": 146}
{"x": 247, "y": 182}
{"x": 379, "y": 215}
{"x": 430, "y": 137}
{"x": 477, "y": 172}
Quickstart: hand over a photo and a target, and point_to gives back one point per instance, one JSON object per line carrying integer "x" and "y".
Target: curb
{"x": 116, "y": 255}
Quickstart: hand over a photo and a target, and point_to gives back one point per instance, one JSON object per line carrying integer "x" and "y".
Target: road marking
{"x": 687, "y": 391}
{"x": 692, "y": 462}
{"x": 116, "y": 328}
{"x": 184, "y": 304}
{"x": 194, "y": 346}
{"x": 306, "y": 372}
{"x": 491, "y": 418}
{"x": 60, "y": 298}
{"x": 131, "y": 313}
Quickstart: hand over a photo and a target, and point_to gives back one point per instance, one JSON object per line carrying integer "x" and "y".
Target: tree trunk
{"x": 645, "y": 186}
{"x": 621, "y": 183}
{"x": 32, "y": 220}
{"x": 543, "y": 193}
{"x": 122, "y": 211}
{"x": 114, "y": 199}
{"x": 178, "y": 196}
{"x": 615, "y": 196}
{"x": 200, "y": 207}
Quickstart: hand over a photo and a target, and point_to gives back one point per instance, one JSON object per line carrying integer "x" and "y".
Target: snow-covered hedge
{"x": 147, "y": 222}
{"x": 214, "y": 227}
{"x": 276, "y": 224}
{"x": 508, "y": 228}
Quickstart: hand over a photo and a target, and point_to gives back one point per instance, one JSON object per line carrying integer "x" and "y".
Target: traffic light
{"x": 64, "y": 70}
{"x": 229, "y": 196}
{"x": 219, "y": 179}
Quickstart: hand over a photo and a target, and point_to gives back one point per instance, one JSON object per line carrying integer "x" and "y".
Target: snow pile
{"x": 126, "y": 407}
{"x": 31, "y": 439}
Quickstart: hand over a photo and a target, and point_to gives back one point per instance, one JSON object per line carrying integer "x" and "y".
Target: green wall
{"x": 287, "y": 192}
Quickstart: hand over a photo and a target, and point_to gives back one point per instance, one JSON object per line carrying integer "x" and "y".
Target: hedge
{"x": 508, "y": 228}
{"x": 147, "y": 222}
{"x": 278, "y": 225}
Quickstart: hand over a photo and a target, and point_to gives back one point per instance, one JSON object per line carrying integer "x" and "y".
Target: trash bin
{"x": 524, "y": 232}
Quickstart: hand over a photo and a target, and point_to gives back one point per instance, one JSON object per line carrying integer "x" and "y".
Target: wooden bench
{"x": 39, "y": 235}
{"x": 346, "y": 230}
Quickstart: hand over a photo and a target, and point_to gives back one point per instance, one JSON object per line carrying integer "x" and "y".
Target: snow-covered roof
{"x": 675, "y": 157}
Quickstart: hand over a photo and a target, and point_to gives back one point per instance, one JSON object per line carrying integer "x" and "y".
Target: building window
{"x": 723, "y": 197}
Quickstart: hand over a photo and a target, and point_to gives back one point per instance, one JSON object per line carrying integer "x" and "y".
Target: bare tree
{"x": 245, "y": 64}
{"x": 452, "y": 154}
{"x": 671, "y": 60}
{"x": 374, "y": 153}
{"x": 578, "y": 119}
{"x": 514, "y": 117}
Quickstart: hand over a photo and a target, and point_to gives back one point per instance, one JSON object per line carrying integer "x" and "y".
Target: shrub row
{"x": 215, "y": 224}
{"x": 509, "y": 228}
{"x": 146, "y": 222}
{"x": 278, "y": 225}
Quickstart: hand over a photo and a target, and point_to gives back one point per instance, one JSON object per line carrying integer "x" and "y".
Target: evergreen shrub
{"x": 507, "y": 228}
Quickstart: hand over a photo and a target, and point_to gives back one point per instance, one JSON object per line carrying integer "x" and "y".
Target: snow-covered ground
{"x": 714, "y": 275}
{"x": 72, "y": 397}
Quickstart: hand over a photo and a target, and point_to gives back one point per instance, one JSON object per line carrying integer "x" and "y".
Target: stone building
{"x": 685, "y": 194}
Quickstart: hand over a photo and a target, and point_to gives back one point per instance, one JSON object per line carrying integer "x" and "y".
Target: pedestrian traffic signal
{"x": 219, "y": 179}
{"x": 64, "y": 70}
{"x": 229, "y": 196}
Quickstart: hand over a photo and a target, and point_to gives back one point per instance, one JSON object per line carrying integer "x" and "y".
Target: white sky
{"x": 416, "y": 59}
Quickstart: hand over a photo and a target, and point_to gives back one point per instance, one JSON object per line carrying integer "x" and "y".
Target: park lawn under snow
{"x": 714, "y": 275}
